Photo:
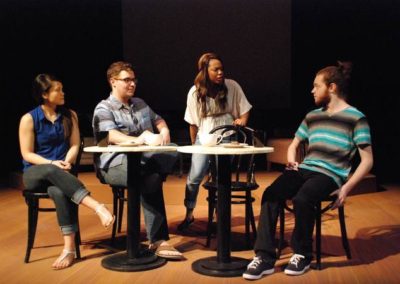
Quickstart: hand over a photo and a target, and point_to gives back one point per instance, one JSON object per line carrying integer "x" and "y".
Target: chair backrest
{"x": 241, "y": 134}
{"x": 75, "y": 167}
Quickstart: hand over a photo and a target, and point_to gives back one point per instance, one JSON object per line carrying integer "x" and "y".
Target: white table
{"x": 135, "y": 258}
{"x": 223, "y": 264}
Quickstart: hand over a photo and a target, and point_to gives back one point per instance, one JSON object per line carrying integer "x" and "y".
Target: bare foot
{"x": 165, "y": 250}
{"x": 64, "y": 260}
{"x": 106, "y": 218}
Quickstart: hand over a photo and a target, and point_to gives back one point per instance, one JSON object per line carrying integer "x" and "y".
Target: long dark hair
{"x": 339, "y": 75}
{"x": 41, "y": 85}
{"x": 204, "y": 87}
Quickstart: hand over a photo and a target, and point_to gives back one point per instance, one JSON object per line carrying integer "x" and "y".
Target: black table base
{"x": 222, "y": 265}
{"x": 211, "y": 267}
{"x": 121, "y": 262}
{"x": 136, "y": 258}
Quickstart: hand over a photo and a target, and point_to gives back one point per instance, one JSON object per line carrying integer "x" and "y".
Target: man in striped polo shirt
{"x": 128, "y": 119}
{"x": 334, "y": 132}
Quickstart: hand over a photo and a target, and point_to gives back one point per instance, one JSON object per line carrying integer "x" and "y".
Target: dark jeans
{"x": 64, "y": 188}
{"x": 151, "y": 198}
{"x": 305, "y": 188}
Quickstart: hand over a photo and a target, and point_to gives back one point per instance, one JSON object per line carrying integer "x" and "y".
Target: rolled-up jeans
{"x": 63, "y": 188}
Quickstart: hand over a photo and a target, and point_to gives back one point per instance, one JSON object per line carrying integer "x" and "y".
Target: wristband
{"x": 51, "y": 162}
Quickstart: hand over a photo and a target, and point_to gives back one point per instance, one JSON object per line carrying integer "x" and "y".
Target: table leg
{"x": 135, "y": 258}
{"x": 223, "y": 265}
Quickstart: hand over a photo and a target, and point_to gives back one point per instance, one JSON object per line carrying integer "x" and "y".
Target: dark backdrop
{"x": 77, "y": 40}
{"x": 366, "y": 33}
{"x": 164, "y": 39}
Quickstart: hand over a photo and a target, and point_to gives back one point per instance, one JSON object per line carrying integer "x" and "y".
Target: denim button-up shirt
{"x": 132, "y": 119}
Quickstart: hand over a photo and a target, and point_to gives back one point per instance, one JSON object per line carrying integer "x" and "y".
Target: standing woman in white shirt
{"x": 211, "y": 102}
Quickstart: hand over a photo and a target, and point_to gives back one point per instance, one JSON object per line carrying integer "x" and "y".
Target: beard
{"x": 323, "y": 101}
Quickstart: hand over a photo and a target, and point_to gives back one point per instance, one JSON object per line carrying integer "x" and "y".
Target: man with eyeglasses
{"x": 129, "y": 119}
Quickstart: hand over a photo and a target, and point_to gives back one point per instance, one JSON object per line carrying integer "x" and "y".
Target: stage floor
{"x": 373, "y": 224}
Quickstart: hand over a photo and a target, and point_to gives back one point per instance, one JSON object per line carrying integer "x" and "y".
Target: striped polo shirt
{"x": 333, "y": 140}
{"x": 132, "y": 119}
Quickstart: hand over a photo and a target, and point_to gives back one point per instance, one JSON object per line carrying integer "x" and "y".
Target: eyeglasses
{"x": 128, "y": 80}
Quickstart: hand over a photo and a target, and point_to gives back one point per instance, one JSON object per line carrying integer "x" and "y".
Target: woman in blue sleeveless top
{"x": 49, "y": 141}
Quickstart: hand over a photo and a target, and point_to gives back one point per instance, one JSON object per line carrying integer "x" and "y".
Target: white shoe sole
{"x": 255, "y": 277}
{"x": 291, "y": 272}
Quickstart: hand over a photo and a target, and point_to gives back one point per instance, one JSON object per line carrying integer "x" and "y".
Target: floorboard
{"x": 372, "y": 222}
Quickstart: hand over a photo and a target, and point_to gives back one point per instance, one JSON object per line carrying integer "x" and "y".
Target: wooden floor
{"x": 372, "y": 221}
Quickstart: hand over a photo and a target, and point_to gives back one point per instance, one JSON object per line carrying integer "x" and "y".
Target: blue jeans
{"x": 64, "y": 189}
{"x": 198, "y": 169}
{"x": 151, "y": 198}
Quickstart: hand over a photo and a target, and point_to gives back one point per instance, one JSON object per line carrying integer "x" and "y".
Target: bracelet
{"x": 51, "y": 162}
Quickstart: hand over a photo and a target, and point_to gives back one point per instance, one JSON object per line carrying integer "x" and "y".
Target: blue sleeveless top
{"x": 49, "y": 137}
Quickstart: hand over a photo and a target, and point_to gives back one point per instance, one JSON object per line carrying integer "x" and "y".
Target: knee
{"x": 270, "y": 195}
{"x": 195, "y": 176}
{"x": 301, "y": 201}
{"x": 50, "y": 170}
{"x": 54, "y": 192}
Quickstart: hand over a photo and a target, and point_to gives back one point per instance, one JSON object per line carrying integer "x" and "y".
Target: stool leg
{"x": 281, "y": 230}
{"x": 77, "y": 244}
{"x": 121, "y": 209}
{"x": 318, "y": 234}
{"x": 252, "y": 220}
{"x": 33, "y": 212}
{"x": 247, "y": 218}
{"x": 77, "y": 235}
{"x": 115, "y": 211}
{"x": 345, "y": 241}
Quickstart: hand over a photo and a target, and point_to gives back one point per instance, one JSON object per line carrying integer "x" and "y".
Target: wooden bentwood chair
{"x": 319, "y": 210}
{"x": 241, "y": 186}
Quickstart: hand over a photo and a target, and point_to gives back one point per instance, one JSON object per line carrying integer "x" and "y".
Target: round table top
{"x": 221, "y": 150}
{"x": 127, "y": 149}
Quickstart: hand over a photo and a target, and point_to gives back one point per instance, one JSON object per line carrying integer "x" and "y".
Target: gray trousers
{"x": 151, "y": 197}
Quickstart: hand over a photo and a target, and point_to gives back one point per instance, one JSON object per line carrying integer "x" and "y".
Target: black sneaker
{"x": 298, "y": 264}
{"x": 257, "y": 268}
{"x": 185, "y": 224}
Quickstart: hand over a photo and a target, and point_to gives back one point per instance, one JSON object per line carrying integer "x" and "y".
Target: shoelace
{"x": 295, "y": 259}
{"x": 255, "y": 262}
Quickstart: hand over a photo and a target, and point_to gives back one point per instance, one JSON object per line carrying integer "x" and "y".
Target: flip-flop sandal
{"x": 160, "y": 249}
{"x": 66, "y": 253}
